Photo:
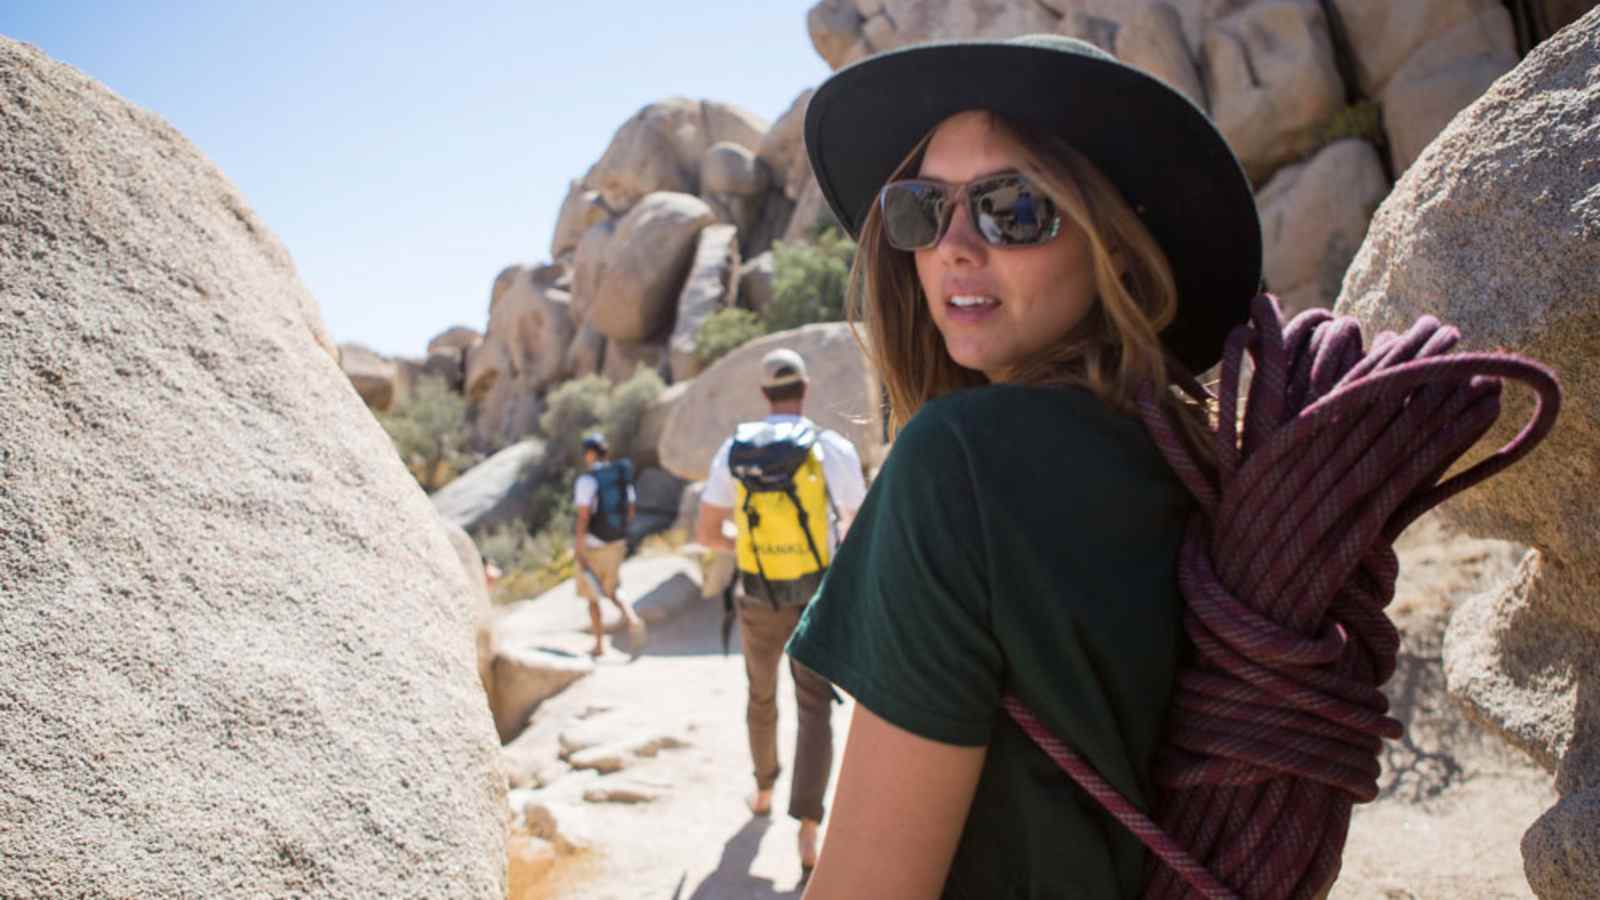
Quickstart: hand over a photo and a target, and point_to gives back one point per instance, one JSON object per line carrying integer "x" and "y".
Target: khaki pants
{"x": 764, "y": 631}
{"x": 606, "y": 564}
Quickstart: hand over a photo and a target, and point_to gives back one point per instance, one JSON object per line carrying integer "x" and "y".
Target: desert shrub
{"x": 551, "y": 500}
{"x": 724, "y": 331}
{"x": 571, "y": 411}
{"x": 809, "y": 281}
{"x": 428, "y": 428}
{"x": 625, "y": 410}
{"x": 590, "y": 404}
{"x": 530, "y": 564}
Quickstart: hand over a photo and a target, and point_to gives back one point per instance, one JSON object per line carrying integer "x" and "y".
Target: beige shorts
{"x": 606, "y": 564}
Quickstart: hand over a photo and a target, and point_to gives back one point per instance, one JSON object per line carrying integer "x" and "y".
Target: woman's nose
{"x": 961, "y": 241}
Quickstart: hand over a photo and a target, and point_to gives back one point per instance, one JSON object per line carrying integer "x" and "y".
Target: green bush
{"x": 535, "y": 553}
{"x": 590, "y": 404}
{"x": 571, "y": 411}
{"x": 809, "y": 281}
{"x": 550, "y": 504}
{"x": 530, "y": 564}
{"x": 429, "y": 430}
{"x": 724, "y": 331}
{"x": 624, "y": 412}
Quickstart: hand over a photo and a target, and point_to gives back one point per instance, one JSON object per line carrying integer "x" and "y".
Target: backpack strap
{"x": 727, "y": 615}
{"x": 805, "y": 523}
{"x": 754, "y": 518}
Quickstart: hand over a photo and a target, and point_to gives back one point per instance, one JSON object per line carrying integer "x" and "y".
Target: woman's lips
{"x": 970, "y": 308}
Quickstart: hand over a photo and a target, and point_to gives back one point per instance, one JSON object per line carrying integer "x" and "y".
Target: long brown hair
{"x": 1114, "y": 353}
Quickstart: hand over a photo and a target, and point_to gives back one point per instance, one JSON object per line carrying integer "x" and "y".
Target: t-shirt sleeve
{"x": 842, "y": 465}
{"x": 719, "y": 483}
{"x": 902, "y": 619}
{"x": 583, "y": 491}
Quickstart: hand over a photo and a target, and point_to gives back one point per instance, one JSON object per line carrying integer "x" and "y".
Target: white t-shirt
{"x": 584, "y": 493}
{"x": 841, "y": 469}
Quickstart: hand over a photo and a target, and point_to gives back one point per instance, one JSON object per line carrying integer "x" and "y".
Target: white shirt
{"x": 584, "y": 494}
{"x": 841, "y": 469}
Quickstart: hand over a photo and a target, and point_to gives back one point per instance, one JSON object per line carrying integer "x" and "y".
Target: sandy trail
{"x": 697, "y": 840}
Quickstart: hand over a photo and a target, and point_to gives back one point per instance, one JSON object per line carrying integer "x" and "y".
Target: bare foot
{"x": 598, "y": 651}
{"x": 760, "y": 803}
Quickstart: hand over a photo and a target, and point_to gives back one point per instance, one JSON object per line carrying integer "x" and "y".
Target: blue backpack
{"x": 608, "y": 520}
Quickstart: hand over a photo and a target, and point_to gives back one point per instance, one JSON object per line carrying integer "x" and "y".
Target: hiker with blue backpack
{"x": 605, "y": 500}
{"x": 790, "y": 489}
{"x": 1109, "y": 634}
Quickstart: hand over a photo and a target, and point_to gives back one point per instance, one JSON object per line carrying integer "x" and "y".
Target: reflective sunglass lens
{"x": 912, "y": 213}
{"x": 1010, "y": 212}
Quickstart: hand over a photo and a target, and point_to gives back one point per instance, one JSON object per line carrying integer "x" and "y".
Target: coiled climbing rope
{"x": 1286, "y": 569}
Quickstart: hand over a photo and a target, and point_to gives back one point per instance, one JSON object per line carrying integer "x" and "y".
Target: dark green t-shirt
{"x": 1017, "y": 540}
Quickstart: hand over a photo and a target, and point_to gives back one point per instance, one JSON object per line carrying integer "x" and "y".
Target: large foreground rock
{"x": 1497, "y": 228}
{"x": 477, "y": 602}
{"x": 843, "y": 396}
{"x": 236, "y": 656}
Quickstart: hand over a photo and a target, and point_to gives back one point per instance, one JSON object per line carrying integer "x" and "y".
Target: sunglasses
{"x": 1006, "y": 209}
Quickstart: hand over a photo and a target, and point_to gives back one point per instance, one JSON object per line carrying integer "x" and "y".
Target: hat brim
{"x": 1162, "y": 152}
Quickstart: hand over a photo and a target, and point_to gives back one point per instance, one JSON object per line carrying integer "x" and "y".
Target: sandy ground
{"x": 1454, "y": 805}
{"x": 696, "y": 840}
{"x": 1455, "y": 800}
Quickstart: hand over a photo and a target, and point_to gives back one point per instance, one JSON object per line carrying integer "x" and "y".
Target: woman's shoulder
{"x": 1005, "y": 430}
{"x": 999, "y": 413}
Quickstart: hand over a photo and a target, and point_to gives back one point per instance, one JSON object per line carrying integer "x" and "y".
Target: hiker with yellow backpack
{"x": 791, "y": 489}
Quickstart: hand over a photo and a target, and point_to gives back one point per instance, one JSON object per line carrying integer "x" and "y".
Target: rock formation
{"x": 374, "y": 377}
{"x": 523, "y": 351}
{"x": 1496, "y": 228}
{"x": 713, "y": 284}
{"x": 495, "y": 491}
{"x": 232, "y": 624}
{"x": 644, "y": 267}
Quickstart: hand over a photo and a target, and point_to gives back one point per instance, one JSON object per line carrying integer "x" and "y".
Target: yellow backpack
{"x": 782, "y": 501}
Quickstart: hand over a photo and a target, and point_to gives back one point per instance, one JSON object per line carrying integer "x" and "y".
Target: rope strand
{"x": 1286, "y": 569}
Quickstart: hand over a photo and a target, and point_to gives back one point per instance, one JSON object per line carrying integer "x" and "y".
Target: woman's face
{"x": 997, "y": 306}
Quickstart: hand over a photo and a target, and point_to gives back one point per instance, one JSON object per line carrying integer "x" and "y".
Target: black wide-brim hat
{"x": 1160, "y": 150}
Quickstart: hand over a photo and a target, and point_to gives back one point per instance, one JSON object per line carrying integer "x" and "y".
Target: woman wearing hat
{"x": 1042, "y": 232}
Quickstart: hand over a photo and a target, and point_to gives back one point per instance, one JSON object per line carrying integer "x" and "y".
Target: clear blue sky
{"x": 405, "y": 154}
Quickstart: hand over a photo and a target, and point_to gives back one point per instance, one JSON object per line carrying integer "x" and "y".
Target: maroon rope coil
{"x": 1286, "y": 569}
